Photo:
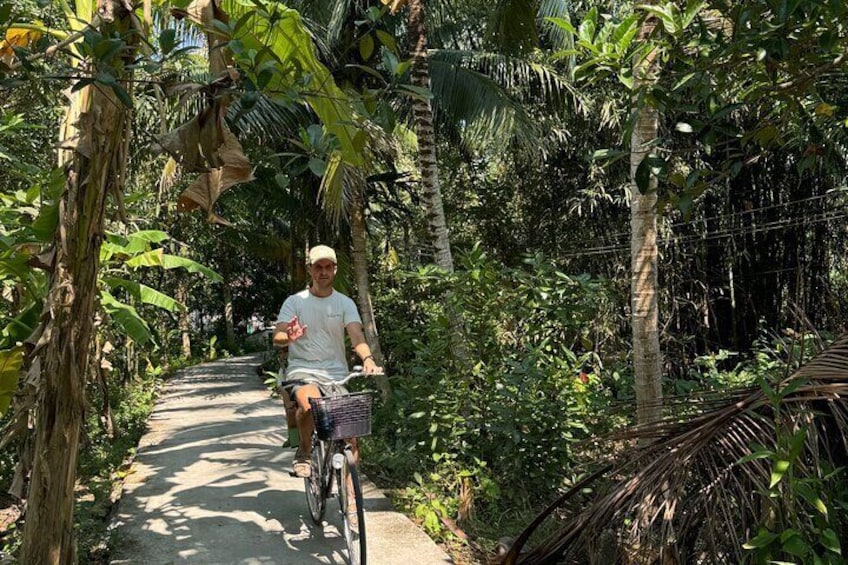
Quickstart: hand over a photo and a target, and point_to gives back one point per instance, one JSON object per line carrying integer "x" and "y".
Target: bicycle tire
{"x": 353, "y": 531}
{"x": 314, "y": 483}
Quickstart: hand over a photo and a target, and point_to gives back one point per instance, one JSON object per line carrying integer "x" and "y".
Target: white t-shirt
{"x": 321, "y": 350}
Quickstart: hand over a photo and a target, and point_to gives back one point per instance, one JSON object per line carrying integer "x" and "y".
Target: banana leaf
{"x": 145, "y": 294}
{"x": 158, "y": 258}
{"x": 127, "y": 318}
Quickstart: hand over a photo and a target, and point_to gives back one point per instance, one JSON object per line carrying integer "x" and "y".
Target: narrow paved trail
{"x": 211, "y": 485}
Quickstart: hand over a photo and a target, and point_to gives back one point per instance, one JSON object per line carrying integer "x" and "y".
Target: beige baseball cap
{"x": 322, "y": 252}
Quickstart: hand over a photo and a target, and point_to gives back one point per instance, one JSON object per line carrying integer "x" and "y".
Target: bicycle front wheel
{"x": 316, "y": 497}
{"x": 353, "y": 510}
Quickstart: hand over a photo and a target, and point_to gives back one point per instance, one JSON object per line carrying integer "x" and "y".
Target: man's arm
{"x": 281, "y": 337}
{"x": 360, "y": 346}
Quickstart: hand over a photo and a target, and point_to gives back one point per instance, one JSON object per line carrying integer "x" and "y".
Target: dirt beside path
{"x": 211, "y": 485}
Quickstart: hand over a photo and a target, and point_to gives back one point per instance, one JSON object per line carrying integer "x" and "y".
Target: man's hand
{"x": 370, "y": 367}
{"x": 294, "y": 330}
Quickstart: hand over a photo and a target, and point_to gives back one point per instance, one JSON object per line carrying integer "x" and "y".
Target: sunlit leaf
{"x": 10, "y": 368}
{"x": 145, "y": 294}
{"x": 366, "y": 46}
{"x": 778, "y": 472}
{"x": 158, "y": 258}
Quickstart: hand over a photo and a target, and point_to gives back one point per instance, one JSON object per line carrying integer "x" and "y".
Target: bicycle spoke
{"x": 313, "y": 484}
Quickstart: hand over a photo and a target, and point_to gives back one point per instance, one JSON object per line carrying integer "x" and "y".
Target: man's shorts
{"x": 301, "y": 380}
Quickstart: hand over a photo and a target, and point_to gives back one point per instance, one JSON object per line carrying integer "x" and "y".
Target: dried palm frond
{"x": 694, "y": 487}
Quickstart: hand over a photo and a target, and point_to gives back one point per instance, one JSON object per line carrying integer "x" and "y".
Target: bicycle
{"x": 339, "y": 416}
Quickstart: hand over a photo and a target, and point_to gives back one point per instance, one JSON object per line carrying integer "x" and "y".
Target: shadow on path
{"x": 211, "y": 485}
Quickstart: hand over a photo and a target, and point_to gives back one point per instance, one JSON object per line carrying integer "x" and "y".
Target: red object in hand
{"x": 294, "y": 329}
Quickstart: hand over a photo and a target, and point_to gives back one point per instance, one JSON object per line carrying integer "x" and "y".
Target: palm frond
{"x": 270, "y": 121}
{"x": 478, "y": 107}
{"x": 524, "y": 79}
{"x": 701, "y": 481}
{"x": 454, "y": 24}
{"x": 338, "y": 19}
{"x": 488, "y": 96}
{"x": 559, "y": 38}
{"x": 337, "y": 193}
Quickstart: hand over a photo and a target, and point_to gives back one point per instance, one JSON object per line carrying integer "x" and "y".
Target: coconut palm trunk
{"x": 647, "y": 360}
{"x": 94, "y": 156}
{"x": 423, "y": 121}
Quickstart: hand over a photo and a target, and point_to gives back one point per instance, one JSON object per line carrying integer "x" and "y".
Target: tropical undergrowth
{"x": 105, "y": 455}
{"x": 473, "y": 448}
{"x": 744, "y": 475}
{"x": 478, "y": 450}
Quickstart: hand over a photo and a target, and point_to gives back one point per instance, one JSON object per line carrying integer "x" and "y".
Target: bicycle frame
{"x": 332, "y": 448}
{"x": 334, "y": 460}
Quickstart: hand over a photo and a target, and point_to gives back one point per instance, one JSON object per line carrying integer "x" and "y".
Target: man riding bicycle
{"x": 312, "y": 324}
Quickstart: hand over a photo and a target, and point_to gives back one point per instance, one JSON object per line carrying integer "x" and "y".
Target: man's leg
{"x": 305, "y": 426}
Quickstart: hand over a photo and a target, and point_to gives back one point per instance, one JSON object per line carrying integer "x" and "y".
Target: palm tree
{"x": 644, "y": 309}
{"x": 422, "y": 113}
{"x": 490, "y": 107}
{"x": 465, "y": 90}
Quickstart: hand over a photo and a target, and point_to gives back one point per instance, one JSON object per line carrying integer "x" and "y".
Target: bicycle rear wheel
{"x": 353, "y": 510}
{"x": 314, "y": 484}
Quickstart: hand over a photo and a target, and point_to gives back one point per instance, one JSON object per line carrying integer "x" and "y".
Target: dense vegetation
{"x": 481, "y": 203}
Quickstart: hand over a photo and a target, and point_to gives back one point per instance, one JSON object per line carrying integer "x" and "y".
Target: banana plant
{"x": 27, "y": 227}
{"x": 261, "y": 48}
{"x": 138, "y": 250}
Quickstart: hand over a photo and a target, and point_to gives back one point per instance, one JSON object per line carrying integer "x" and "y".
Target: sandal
{"x": 302, "y": 464}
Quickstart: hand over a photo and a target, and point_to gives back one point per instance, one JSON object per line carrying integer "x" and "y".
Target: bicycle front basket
{"x": 342, "y": 417}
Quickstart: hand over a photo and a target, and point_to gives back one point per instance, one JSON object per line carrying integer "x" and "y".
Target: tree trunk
{"x": 106, "y": 416}
{"x": 94, "y": 158}
{"x": 184, "y": 322}
{"x": 229, "y": 320}
{"x": 131, "y": 354}
{"x": 423, "y": 120}
{"x": 359, "y": 239}
{"x": 647, "y": 360}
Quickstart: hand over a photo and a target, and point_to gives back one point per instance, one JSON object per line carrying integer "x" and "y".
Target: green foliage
{"x": 505, "y": 433}
{"x": 732, "y": 74}
{"x": 126, "y": 317}
{"x": 270, "y": 42}
{"x": 799, "y": 512}
{"x": 211, "y": 350}
{"x": 104, "y": 459}
{"x": 801, "y": 515}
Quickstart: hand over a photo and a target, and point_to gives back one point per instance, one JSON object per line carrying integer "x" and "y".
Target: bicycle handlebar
{"x": 356, "y": 373}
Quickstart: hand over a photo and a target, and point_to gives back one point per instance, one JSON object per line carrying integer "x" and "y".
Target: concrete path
{"x": 211, "y": 485}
